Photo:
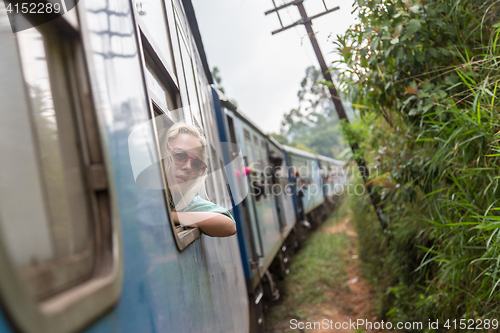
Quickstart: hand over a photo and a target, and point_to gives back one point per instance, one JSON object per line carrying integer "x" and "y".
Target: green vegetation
{"x": 313, "y": 126}
{"x": 317, "y": 268}
{"x": 424, "y": 76}
{"x": 218, "y": 83}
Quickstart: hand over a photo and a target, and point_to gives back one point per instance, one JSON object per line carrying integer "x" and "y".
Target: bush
{"x": 424, "y": 76}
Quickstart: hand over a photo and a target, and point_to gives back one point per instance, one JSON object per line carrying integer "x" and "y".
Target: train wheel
{"x": 301, "y": 232}
{"x": 271, "y": 291}
{"x": 293, "y": 241}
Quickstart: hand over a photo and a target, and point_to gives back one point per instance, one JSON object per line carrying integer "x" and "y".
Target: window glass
{"x": 49, "y": 237}
{"x": 248, "y": 148}
{"x": 224, "y": 182}
{"x": 157, "y": 89}
{"x": 266, "y": 172}
{"x": 210, "y": 185}
{"x": 190, "y": 80}
{"x": 180, "y": 17}
{"x": 214, "y": 166}
{"x": 182, "y": 79}
{"x": 164, "y": 97}
{"x": 58, "y": 150}
{"x": 258, "y": 155}
{"x": 152, "y": 19}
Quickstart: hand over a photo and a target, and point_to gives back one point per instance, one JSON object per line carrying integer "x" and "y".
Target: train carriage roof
{"x": 331, "y": 160}
{"x": 230, "y": 106}
{"x": 299, "y": 152}
{"x": 305, "y": 154}
{"x": 276, "y": 143}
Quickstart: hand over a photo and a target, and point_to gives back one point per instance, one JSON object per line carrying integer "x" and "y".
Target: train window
{"x": 190, "y": 80}
{"x": 223, "y": 180}
{"x": 166, "y": 95}
{"x": 258, "y": 155}
{"x": 232, "y": 135}
{"x": 213, "y": 175}
{"x": 181, "y": 18}
{"x": 248, "y": 148}
{"x": 210, "y": 184}
{"x": 164, "y": 115}
{"x": 266, "y": 172}
{"x": 157, "y": 90}
{"x": 151, "y": 16}
{"x": 264, "y": 156}
{"x": 220, "y": 179}
{"x": 64, "y": 225}
{"x": 57, "y": 233}
{"x": 183, "y": 235}
{"x": 180, "y": 197}
{"x": 218, "y": 175}
{"x": 187, "y": 92}
{"x": 161, "y": 88}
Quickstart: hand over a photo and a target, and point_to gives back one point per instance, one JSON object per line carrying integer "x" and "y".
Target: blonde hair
{"x": 184, "y": 199}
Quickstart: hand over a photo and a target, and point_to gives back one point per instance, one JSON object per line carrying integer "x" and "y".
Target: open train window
{"x": 60, "y": 243}
{"x": 166, "y": 114}
{"x": 179, "y": 101}
{"x": 168, "y": 104}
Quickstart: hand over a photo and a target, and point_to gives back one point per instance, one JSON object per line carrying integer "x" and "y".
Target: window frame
{"x": 162, "y": 58}
{"x": 88, "y": 299}
{"x": 192, "y": 94}
{"x": 183, "y": 236}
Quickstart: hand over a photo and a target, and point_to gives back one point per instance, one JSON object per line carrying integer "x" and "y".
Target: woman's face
{"x": 182, "y": 176}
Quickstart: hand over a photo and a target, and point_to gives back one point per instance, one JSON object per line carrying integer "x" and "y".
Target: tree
{"x": 218, "y": 83}
{"x": 217, "y": 78}
{"x": 314, "y": 123}
{"x": 280, "y": 138}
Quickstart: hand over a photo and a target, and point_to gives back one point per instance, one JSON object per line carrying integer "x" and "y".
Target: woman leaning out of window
{"x": 185, "y": 156}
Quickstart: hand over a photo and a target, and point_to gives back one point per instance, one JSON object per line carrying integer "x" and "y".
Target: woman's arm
{"x": 213, "y": 224}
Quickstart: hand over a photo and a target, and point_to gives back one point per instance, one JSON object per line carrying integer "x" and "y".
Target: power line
{"x": 307, "y": 22}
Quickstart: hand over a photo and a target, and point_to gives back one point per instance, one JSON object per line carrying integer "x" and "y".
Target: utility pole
{"x": 307, "y": 22}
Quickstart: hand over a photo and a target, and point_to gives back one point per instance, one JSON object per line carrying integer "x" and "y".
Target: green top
{"x": 200, "y": 205}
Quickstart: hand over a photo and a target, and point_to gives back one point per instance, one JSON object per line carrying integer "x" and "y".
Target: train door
{"x": 249, "y": 233}
{"x": 276, "y": 188}
{"x": 249, "y": 159}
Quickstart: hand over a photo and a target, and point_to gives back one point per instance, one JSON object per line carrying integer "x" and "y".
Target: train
{"x": 87, "y": 238}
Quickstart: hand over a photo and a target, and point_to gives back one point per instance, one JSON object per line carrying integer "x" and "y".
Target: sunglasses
{"x": 180, "y": 157}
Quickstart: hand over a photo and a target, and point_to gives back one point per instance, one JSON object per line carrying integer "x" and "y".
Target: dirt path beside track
{"x": 349, "y": 299}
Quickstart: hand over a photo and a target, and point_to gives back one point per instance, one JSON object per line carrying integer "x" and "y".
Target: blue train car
{"x": 282, "y": 189}
{"x": 84, "y": 246}
{"x": 334, "y": 177}
{"x": 305, "y": 172}
{"x": 268, "y": 213}
{"x": 89, "y": 240}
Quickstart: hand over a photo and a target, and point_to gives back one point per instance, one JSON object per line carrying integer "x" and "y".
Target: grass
{"x": 316, "y": 269}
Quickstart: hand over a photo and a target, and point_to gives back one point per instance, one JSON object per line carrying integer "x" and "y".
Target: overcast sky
{"x": 261, "y": 72}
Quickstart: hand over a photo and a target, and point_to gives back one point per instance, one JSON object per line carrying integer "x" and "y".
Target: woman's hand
{"x": 213, "y": 224}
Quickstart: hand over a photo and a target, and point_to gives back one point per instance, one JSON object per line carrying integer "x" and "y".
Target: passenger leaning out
{"x": 184, "y": 151}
